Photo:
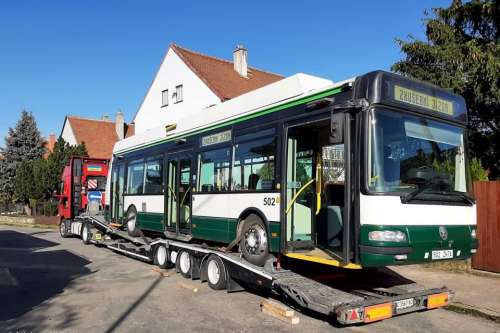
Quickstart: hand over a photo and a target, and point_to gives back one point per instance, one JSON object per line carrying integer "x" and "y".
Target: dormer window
{"x": 178, "y": 94}
{"x": 164, "y": 98}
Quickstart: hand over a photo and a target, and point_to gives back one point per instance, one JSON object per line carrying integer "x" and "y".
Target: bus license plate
{"x": 404, "y": 303}
{"x": 442, "y": 254}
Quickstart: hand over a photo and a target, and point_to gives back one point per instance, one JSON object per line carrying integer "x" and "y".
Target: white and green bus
{"x": 369, "y": 172}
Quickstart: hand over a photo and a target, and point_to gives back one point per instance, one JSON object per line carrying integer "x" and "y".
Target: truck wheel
{"x": 132, "y": 222}
{"x": 162, "y": 257}
{"x": 216, "y": 273}
{"x": 63, "y": 228}
{"x": 184, "y": 264}
{"x": 86, "y": 235}
{"x": 253, "y": 243}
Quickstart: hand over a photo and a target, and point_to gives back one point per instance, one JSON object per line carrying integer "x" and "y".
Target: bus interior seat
{"x": 207, "y": 188}
{"x": 334, "y": 211}
{"x": 253, "y": 179}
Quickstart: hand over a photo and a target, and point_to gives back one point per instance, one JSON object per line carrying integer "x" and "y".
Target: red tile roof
{"x": 219, "y": 74}
{"x": 99, "y": 135}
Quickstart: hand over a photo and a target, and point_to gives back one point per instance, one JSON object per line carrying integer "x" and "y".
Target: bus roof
{"x": 279, "y": 94}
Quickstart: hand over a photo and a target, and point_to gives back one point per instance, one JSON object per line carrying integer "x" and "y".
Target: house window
{"x": 164, "y": 97}
{"x": 178, "y": 93}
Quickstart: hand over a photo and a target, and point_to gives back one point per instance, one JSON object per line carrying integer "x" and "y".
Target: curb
{"x": 26, "y": 225}
{"x": 470, "y": 310}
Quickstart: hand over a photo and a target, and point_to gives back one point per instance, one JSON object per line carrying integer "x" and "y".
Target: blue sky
{"x": 90, "y": 58}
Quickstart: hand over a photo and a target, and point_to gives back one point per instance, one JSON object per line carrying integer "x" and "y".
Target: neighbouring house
{"x": 188, "y": 81}
{"x": 49, "y": 144}
{"x": 99, "y": 136}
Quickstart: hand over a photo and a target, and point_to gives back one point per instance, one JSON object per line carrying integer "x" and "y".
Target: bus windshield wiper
{"x": 462, "y": 195}
{"x": 410, "y": 196}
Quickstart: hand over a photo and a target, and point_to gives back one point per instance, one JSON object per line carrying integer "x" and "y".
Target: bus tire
{"x": 86, "y": 235}
{"x": 63, "y": 228}
{"x": 184, "y": 264}
{"x": 132, "y": 222}
{"x": 162, "y": 257}
{"x": 216, "y": 273}
{"x": 254, "y": 240}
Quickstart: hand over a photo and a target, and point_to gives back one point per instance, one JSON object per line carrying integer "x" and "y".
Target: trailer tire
{"x": 86, "y": 235}
{"x": 216, "y": 273}
{"x": 162, "y": 257}
{"x": 132, "y": 222}
{"x": 63, "y": 228}
{"x": 254, "y": 240}
{"x": 184, "y": 264}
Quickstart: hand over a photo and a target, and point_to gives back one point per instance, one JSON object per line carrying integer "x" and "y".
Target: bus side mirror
{"x": 337, "y": 128}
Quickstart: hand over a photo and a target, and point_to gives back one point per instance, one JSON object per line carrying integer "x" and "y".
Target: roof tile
{"x": 219, "y": 74}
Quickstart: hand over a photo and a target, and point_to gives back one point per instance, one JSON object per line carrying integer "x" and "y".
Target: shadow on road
{"x": 30, "y": 273}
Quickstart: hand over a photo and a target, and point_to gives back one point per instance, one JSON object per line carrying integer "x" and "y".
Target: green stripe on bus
{"x": 304, "y": 100}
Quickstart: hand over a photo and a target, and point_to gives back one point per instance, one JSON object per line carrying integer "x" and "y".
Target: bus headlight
{"x": 387, "y": 236}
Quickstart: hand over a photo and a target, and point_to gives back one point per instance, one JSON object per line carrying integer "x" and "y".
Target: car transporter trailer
{"x": 196, "y": 261}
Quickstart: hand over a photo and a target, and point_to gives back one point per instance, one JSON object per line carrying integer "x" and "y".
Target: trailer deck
{"x": 349, "y": 302}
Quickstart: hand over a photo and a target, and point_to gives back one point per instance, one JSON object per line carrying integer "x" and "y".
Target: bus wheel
{"x": 253, "y": 243}
{"x": 86, "y": 236}
{"x": 216, "y": 273}
{"x": 184, "y": 264}
{"x": 162, "y": 257}
{"x": 132, "y": 222}
{"x": 63, "y": 228}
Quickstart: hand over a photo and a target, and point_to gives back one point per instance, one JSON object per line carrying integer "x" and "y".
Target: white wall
{"x": 67, "y": 133}
{"x": 196, "y": 95}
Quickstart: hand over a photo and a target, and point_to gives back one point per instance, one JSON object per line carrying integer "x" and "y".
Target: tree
{"x": 23, "y": 143}
{"x": 462, "y": 53}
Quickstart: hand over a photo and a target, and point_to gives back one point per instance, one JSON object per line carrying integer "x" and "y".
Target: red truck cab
{"x": 83, "y": 180}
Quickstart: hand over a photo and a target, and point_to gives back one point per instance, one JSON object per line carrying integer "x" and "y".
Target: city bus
{"x": 368, "y": 172}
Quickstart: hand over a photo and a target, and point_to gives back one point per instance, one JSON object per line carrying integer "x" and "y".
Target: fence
{"x": 42, "y": 208}
{"x": 487, "y": 257}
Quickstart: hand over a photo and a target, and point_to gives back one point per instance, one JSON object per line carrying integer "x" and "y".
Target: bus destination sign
{"x": 425, "y": 101}
{"x": 216, "y": 138}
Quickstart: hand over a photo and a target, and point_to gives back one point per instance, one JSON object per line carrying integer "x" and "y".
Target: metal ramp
{"x": 311, "y": 294}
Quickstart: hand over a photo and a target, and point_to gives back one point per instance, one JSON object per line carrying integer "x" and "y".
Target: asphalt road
{"x": 59, "y": 285}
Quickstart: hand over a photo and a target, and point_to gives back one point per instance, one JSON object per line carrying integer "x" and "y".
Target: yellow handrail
{"x": 297, "y": 194}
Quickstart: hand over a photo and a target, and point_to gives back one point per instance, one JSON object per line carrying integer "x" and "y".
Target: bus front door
{"x": 117, "y": 188}
{"x": 315, "y": 205}
{"x": 179, "y": 193}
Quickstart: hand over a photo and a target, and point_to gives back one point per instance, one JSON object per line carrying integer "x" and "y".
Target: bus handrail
{"x": 297, "y": 195}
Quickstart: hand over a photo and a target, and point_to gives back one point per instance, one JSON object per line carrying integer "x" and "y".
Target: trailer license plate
{"x": 98, "y": 236}
{"x": 442, "y": 254}
{"x": 404, "y": 303}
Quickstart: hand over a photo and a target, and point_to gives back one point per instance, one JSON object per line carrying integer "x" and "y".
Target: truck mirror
{"x": 337, "y": 124}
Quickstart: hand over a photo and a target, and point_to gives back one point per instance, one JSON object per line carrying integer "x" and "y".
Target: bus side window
{"x": 254, "y": 165}
{"x": 214, "y": 170}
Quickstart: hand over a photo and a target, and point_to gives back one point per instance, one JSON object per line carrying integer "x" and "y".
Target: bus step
{"x": 311, "y": 294}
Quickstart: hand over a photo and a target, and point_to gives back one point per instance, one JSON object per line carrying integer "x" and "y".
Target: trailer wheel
{"x": 216, "y": 273}
{"x": 162, "y": 257}
{"x": 253, "y": 243}
{"x": 86, "y": 236}
{"x": 184, "y": 264}
{"x": 132, "y": 222}
{"x": 63, "y": 228}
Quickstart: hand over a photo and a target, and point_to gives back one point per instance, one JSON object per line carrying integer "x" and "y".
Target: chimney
{"x": 120, "y": 125}
{"x": 240, "y": 61}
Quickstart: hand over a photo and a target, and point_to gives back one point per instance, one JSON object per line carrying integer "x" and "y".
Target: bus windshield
{"x": 411, "y": 155}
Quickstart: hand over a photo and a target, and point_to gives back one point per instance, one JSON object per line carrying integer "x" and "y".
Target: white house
{"x": 188, "y": 81}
